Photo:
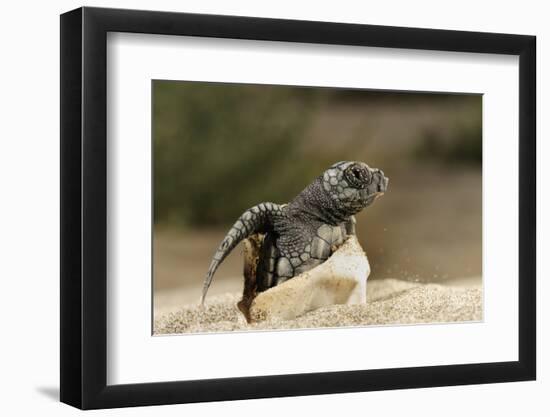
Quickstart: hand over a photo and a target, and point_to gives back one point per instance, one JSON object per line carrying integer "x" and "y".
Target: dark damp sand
{"x": 390, "y": 301}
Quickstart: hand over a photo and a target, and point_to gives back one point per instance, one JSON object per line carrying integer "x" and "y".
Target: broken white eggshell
{"x": 341, "y": 279}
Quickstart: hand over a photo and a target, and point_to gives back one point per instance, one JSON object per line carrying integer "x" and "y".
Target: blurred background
{"x": 222, "y": 148}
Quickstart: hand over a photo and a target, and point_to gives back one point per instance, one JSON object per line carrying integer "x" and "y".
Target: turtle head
{"x": 352, "y": 185}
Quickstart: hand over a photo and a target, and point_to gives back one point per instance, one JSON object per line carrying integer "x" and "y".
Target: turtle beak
{"x": 382, "y": 181}
{"x": 378, "y": 185}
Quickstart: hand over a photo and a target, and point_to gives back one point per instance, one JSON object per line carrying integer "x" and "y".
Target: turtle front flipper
{"x": 258, "y": 219}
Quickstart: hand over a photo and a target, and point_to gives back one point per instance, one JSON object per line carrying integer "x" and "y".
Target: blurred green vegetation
{"x": 461, "y": 144}
{"x": 219, "y": 148}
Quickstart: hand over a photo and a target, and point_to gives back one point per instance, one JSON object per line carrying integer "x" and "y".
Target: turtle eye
{"x": 357, "y": 176}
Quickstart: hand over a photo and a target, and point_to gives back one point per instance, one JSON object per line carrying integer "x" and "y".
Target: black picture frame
{"x": 84, "y": 207}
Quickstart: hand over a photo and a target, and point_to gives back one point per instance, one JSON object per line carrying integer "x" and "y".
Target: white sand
{"x": 389, "y": 301}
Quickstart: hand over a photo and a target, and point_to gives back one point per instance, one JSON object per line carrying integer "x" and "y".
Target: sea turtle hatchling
{"x": 283, "y": 241}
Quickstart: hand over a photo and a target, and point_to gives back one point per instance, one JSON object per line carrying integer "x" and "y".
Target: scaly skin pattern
{"x": 305, "y": 232}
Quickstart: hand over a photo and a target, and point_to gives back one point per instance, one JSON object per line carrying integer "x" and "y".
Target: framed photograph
{"x": 259, "y": 208}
